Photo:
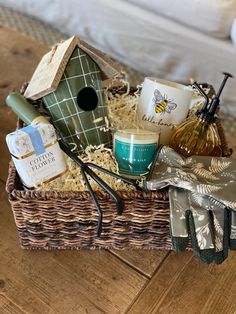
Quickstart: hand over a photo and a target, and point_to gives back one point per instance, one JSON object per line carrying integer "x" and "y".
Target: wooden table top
{"x": 94, "y": 281}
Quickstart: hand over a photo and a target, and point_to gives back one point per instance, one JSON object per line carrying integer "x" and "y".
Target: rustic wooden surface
{"x": 94, "y": 281}
{"x": 18, "y": 58}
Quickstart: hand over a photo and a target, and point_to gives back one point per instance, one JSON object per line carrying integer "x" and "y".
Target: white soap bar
{"x": 36, "y": 154}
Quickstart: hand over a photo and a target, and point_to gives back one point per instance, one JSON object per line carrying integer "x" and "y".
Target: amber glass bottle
{"x": 199, "y": 135}
{"x": 196, "y": 137}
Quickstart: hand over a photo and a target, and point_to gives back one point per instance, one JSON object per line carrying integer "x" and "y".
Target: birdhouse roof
{"x": 52, "y": 66}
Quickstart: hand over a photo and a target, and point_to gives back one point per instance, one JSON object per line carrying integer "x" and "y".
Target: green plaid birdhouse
{"x": 69, "y": 79}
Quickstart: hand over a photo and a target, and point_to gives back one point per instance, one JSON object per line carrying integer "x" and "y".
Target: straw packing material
{"x": 73, "y": 180}
{"x": 122, "y": 109}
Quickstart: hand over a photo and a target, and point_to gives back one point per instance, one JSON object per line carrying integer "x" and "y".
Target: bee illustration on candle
{"x": 162, "y": 104}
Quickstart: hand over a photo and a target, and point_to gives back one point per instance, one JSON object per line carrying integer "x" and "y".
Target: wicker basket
{"x": 68, "y": 220}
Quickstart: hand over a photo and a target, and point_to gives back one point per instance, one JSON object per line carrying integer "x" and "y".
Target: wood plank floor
{"x": 94, "y": 281}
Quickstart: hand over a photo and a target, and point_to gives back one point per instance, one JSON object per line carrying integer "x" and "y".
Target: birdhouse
{"x": 69, "y": 79}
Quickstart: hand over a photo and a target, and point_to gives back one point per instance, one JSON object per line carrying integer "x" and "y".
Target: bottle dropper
{"x": 208, "y": 112}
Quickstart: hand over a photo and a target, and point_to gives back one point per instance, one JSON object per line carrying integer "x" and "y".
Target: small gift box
{"x": 36, "y": 154}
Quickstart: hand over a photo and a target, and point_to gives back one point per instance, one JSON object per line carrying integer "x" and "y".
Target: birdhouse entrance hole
{"x": 87, "y": 99}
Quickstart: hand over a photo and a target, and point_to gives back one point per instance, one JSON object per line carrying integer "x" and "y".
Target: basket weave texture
{"x": 68, "y": 220}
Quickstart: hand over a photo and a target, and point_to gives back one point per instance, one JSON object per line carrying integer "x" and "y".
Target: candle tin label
{"x": 135, "y": 159}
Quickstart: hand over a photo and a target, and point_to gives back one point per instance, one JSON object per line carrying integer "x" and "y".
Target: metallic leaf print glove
{"x": 207, "y": 227}
{"x": 202, "y": 201}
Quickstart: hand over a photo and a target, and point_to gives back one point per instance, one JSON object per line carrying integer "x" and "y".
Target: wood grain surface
{"x": 49, "y": 71}
{"x": 19, "y": 56}
{"x": 94, "y": 281}
{"x": 184, "y": 285}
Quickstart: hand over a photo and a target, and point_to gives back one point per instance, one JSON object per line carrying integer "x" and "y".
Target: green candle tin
{"x": 134, "y": 151}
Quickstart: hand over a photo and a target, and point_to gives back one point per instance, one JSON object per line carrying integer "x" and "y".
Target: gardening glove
{"x": 209, "y": 184}
{"x": 204, "y": 220}
{"x": 232, "y": 239}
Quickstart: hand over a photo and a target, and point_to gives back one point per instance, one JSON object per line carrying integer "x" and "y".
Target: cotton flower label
{"x": 36, "y": 154}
